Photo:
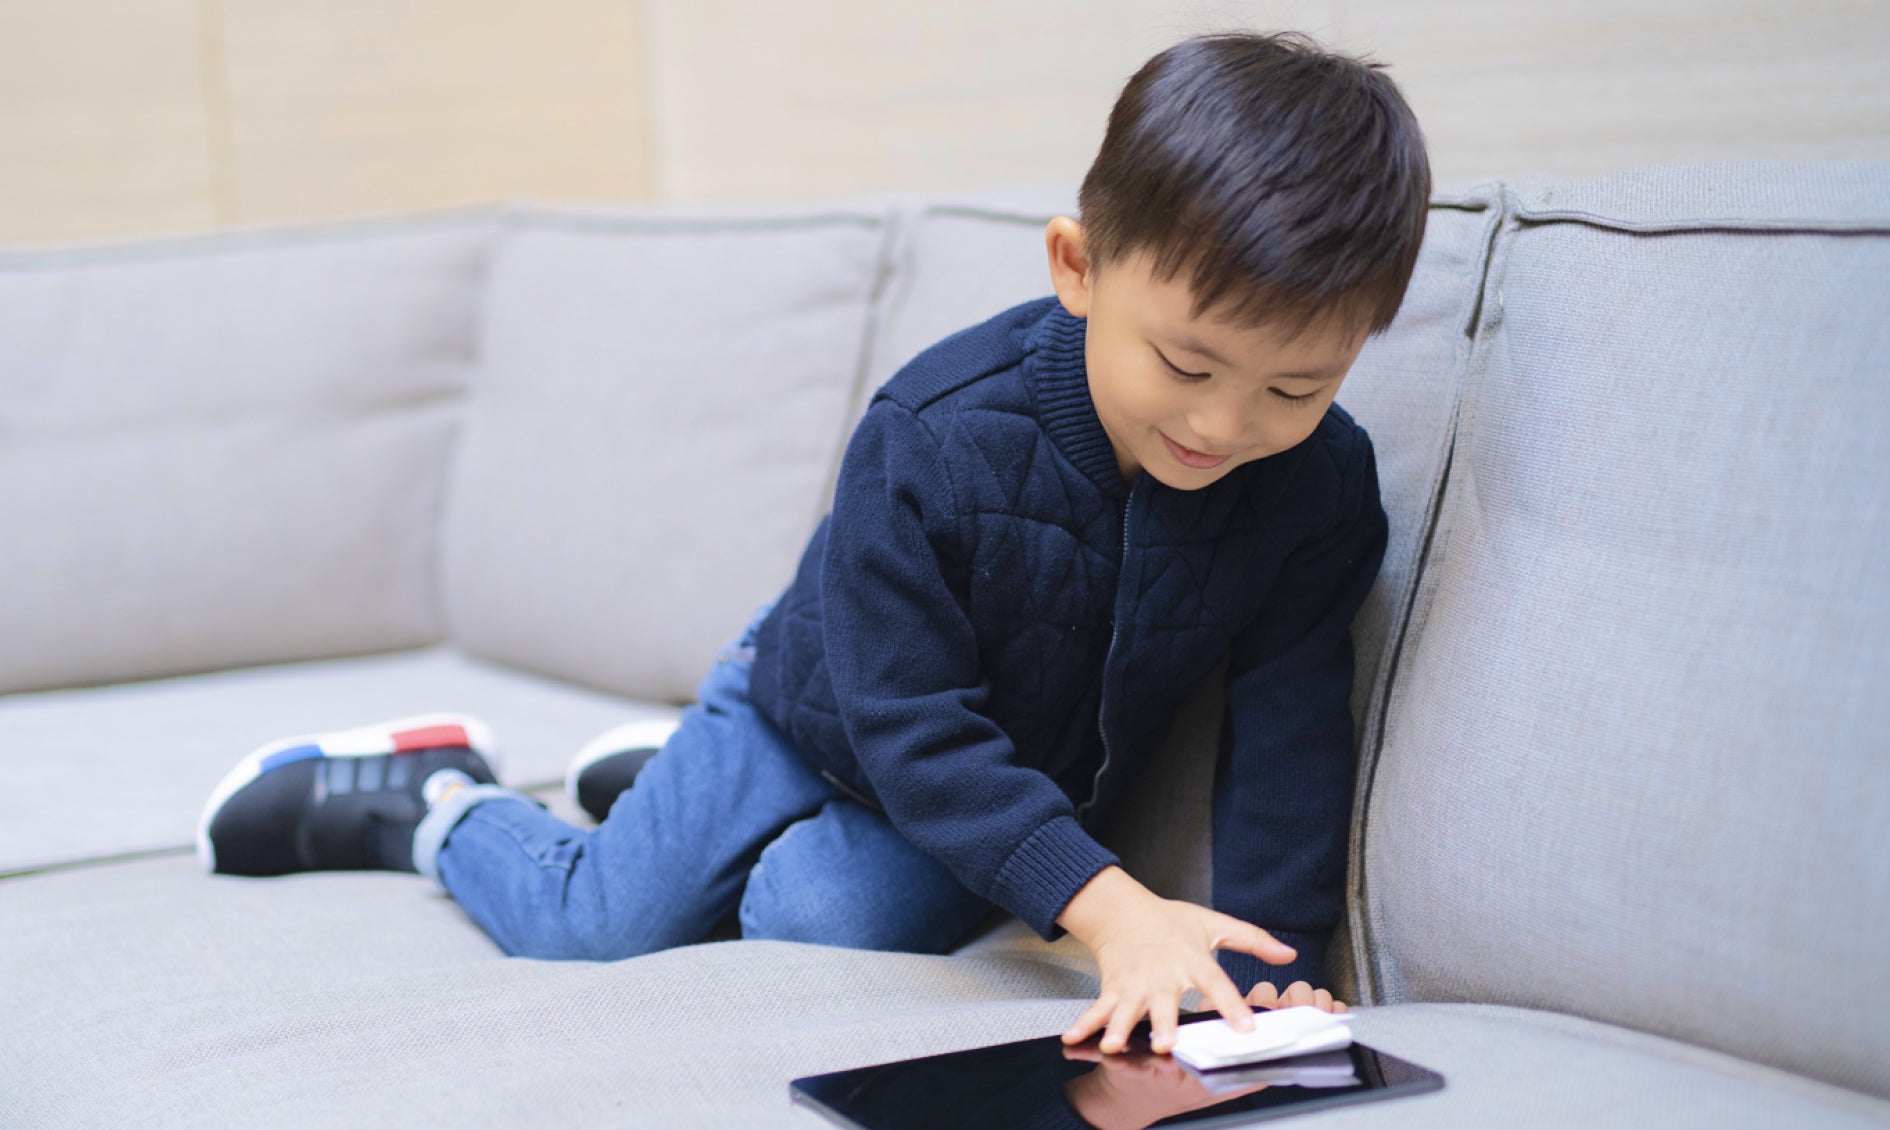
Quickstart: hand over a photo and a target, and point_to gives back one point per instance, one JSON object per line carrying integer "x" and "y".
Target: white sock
{"x": 439, "y": 781}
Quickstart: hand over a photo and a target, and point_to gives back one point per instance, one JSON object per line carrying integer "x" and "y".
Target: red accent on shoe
{"x": 430, "y": 737}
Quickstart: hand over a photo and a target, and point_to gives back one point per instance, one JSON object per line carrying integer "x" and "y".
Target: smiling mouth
{"x": 1188, "y": 457}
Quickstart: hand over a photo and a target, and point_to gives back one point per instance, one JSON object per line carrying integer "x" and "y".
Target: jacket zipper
{"x": 1115, "y": 633}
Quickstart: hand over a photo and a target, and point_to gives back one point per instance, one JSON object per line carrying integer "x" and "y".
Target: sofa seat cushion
{"x": 1510, "y": 1067}
{"x": 105, "y": 771}
{"x": 144, "y": 992}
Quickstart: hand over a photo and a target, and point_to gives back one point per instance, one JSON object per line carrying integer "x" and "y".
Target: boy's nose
{"x": 1218, "y": 434}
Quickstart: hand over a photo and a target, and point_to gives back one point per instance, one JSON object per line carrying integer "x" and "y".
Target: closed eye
{"x": 1186, "y": 375}
{"x": 1178, "y": 370}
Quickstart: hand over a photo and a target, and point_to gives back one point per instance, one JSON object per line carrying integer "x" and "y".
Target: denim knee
{"x": 804, "y": 890}
{"x": 786, "y": 904}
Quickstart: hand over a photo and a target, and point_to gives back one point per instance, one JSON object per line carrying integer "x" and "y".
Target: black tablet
{"x": 1042, "y": 1084}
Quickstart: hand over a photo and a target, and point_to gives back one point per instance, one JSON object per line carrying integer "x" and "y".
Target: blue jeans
{"x": 729, "y": 815}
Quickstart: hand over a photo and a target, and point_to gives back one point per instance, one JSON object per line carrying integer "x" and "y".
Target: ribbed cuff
{"x": 1309, "y": 966}
{"x": 1046, "y": 871}
{"x": 431, "y": 835}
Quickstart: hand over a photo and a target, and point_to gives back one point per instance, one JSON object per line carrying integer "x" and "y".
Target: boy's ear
{"x": 1070, "y": 272}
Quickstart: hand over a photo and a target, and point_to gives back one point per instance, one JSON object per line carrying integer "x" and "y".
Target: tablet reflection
{"x": 1136, "y": 1088}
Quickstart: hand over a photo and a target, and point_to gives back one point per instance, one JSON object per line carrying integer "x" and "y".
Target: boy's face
{"x": 1187, "y": 399}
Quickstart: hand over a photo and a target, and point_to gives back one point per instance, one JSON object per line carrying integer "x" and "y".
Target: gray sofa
{"x": 1621, "y": 848}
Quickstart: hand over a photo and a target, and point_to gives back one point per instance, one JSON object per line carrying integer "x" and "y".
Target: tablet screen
{"x": 1042, "y": 1083}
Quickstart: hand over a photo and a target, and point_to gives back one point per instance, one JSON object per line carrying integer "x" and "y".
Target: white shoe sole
{"x": 645, "y": 733}
{"x": 363, "y": 741}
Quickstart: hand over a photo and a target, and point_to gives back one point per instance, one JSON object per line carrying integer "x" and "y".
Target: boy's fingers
{"x": 1092, "y": 1019}
{"x": 1264, "y": 995}
{"x": 1323, "y": 999}
{"x": 1116, "y": 1039}
{"x": 1298, "y": 993}
{"x": 1227, "y": 1001}
{"x": 1164, "y": 1016}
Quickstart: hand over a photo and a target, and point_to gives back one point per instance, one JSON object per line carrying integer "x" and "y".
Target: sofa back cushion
{"x": 227, "y": 450}
{"x": 956, "y": 262}
{"x": 1635, "y": 766}
{"x": 1405, "y": 390}
{"x": 659, "y": 398}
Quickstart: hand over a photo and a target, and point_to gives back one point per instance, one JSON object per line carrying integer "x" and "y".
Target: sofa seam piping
{"x": 1365, "y": 968}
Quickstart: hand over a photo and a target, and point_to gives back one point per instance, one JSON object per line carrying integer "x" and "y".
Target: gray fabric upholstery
{"x": 658, "y": 403}
{"x": 1624, "y": 775}
{"x": 109, "y": 770}
{"x": 1692, "y": 196}
{"x": 1635, "y": 767}
{"x": 949, "y": 264}
{"x": 143, "y": 993}
{"x": 955, "y": 264}
{"x": 1404, "y": 390}
{"x": 1512, "y": 1067}
{"x": 239, "y": 439}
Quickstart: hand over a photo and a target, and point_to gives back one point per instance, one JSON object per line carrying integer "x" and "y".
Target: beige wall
{"x": 827, "y": 96}
{"x": 103, "y": 127}
{"x": 133, "y": 116}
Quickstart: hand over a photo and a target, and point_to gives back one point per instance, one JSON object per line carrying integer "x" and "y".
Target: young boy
{"x": 1048, "y": 528}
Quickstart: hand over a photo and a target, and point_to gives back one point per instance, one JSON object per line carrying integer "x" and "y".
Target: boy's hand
{"x": 1151, "y": 950}
{"x": 1297, "y": 993}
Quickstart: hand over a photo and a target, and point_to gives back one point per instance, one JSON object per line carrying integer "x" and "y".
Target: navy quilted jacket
{"x": 990, "y": 633}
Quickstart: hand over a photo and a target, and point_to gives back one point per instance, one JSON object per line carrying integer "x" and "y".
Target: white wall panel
{"x": 1590, "y": 86}
{"x": 755, "y": 100}
{"x": 132, "y": 116}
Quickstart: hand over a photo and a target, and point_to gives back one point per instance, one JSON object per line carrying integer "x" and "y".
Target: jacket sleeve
{"x": 1283, "y": 784}
{"x": 911, "y": 690}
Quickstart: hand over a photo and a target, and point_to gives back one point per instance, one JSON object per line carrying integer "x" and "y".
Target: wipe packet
{"x": 1278, "y": 1033}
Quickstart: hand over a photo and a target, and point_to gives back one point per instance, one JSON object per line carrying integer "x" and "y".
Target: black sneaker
{"x": 610, "y": 762}
{"x": 345, "y": 801}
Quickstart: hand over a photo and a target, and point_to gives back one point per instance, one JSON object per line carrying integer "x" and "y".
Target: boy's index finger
{"x": 1227, "y": 1001}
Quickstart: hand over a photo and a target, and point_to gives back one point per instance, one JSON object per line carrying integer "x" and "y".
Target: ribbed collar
{"x": 1060, "y": 380}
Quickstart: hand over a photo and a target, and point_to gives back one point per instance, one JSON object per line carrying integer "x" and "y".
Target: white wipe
{"x": 1277, "y": 1033}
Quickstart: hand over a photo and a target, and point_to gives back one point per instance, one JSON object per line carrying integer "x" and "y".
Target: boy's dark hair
{"x": 1288, "y": 182}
